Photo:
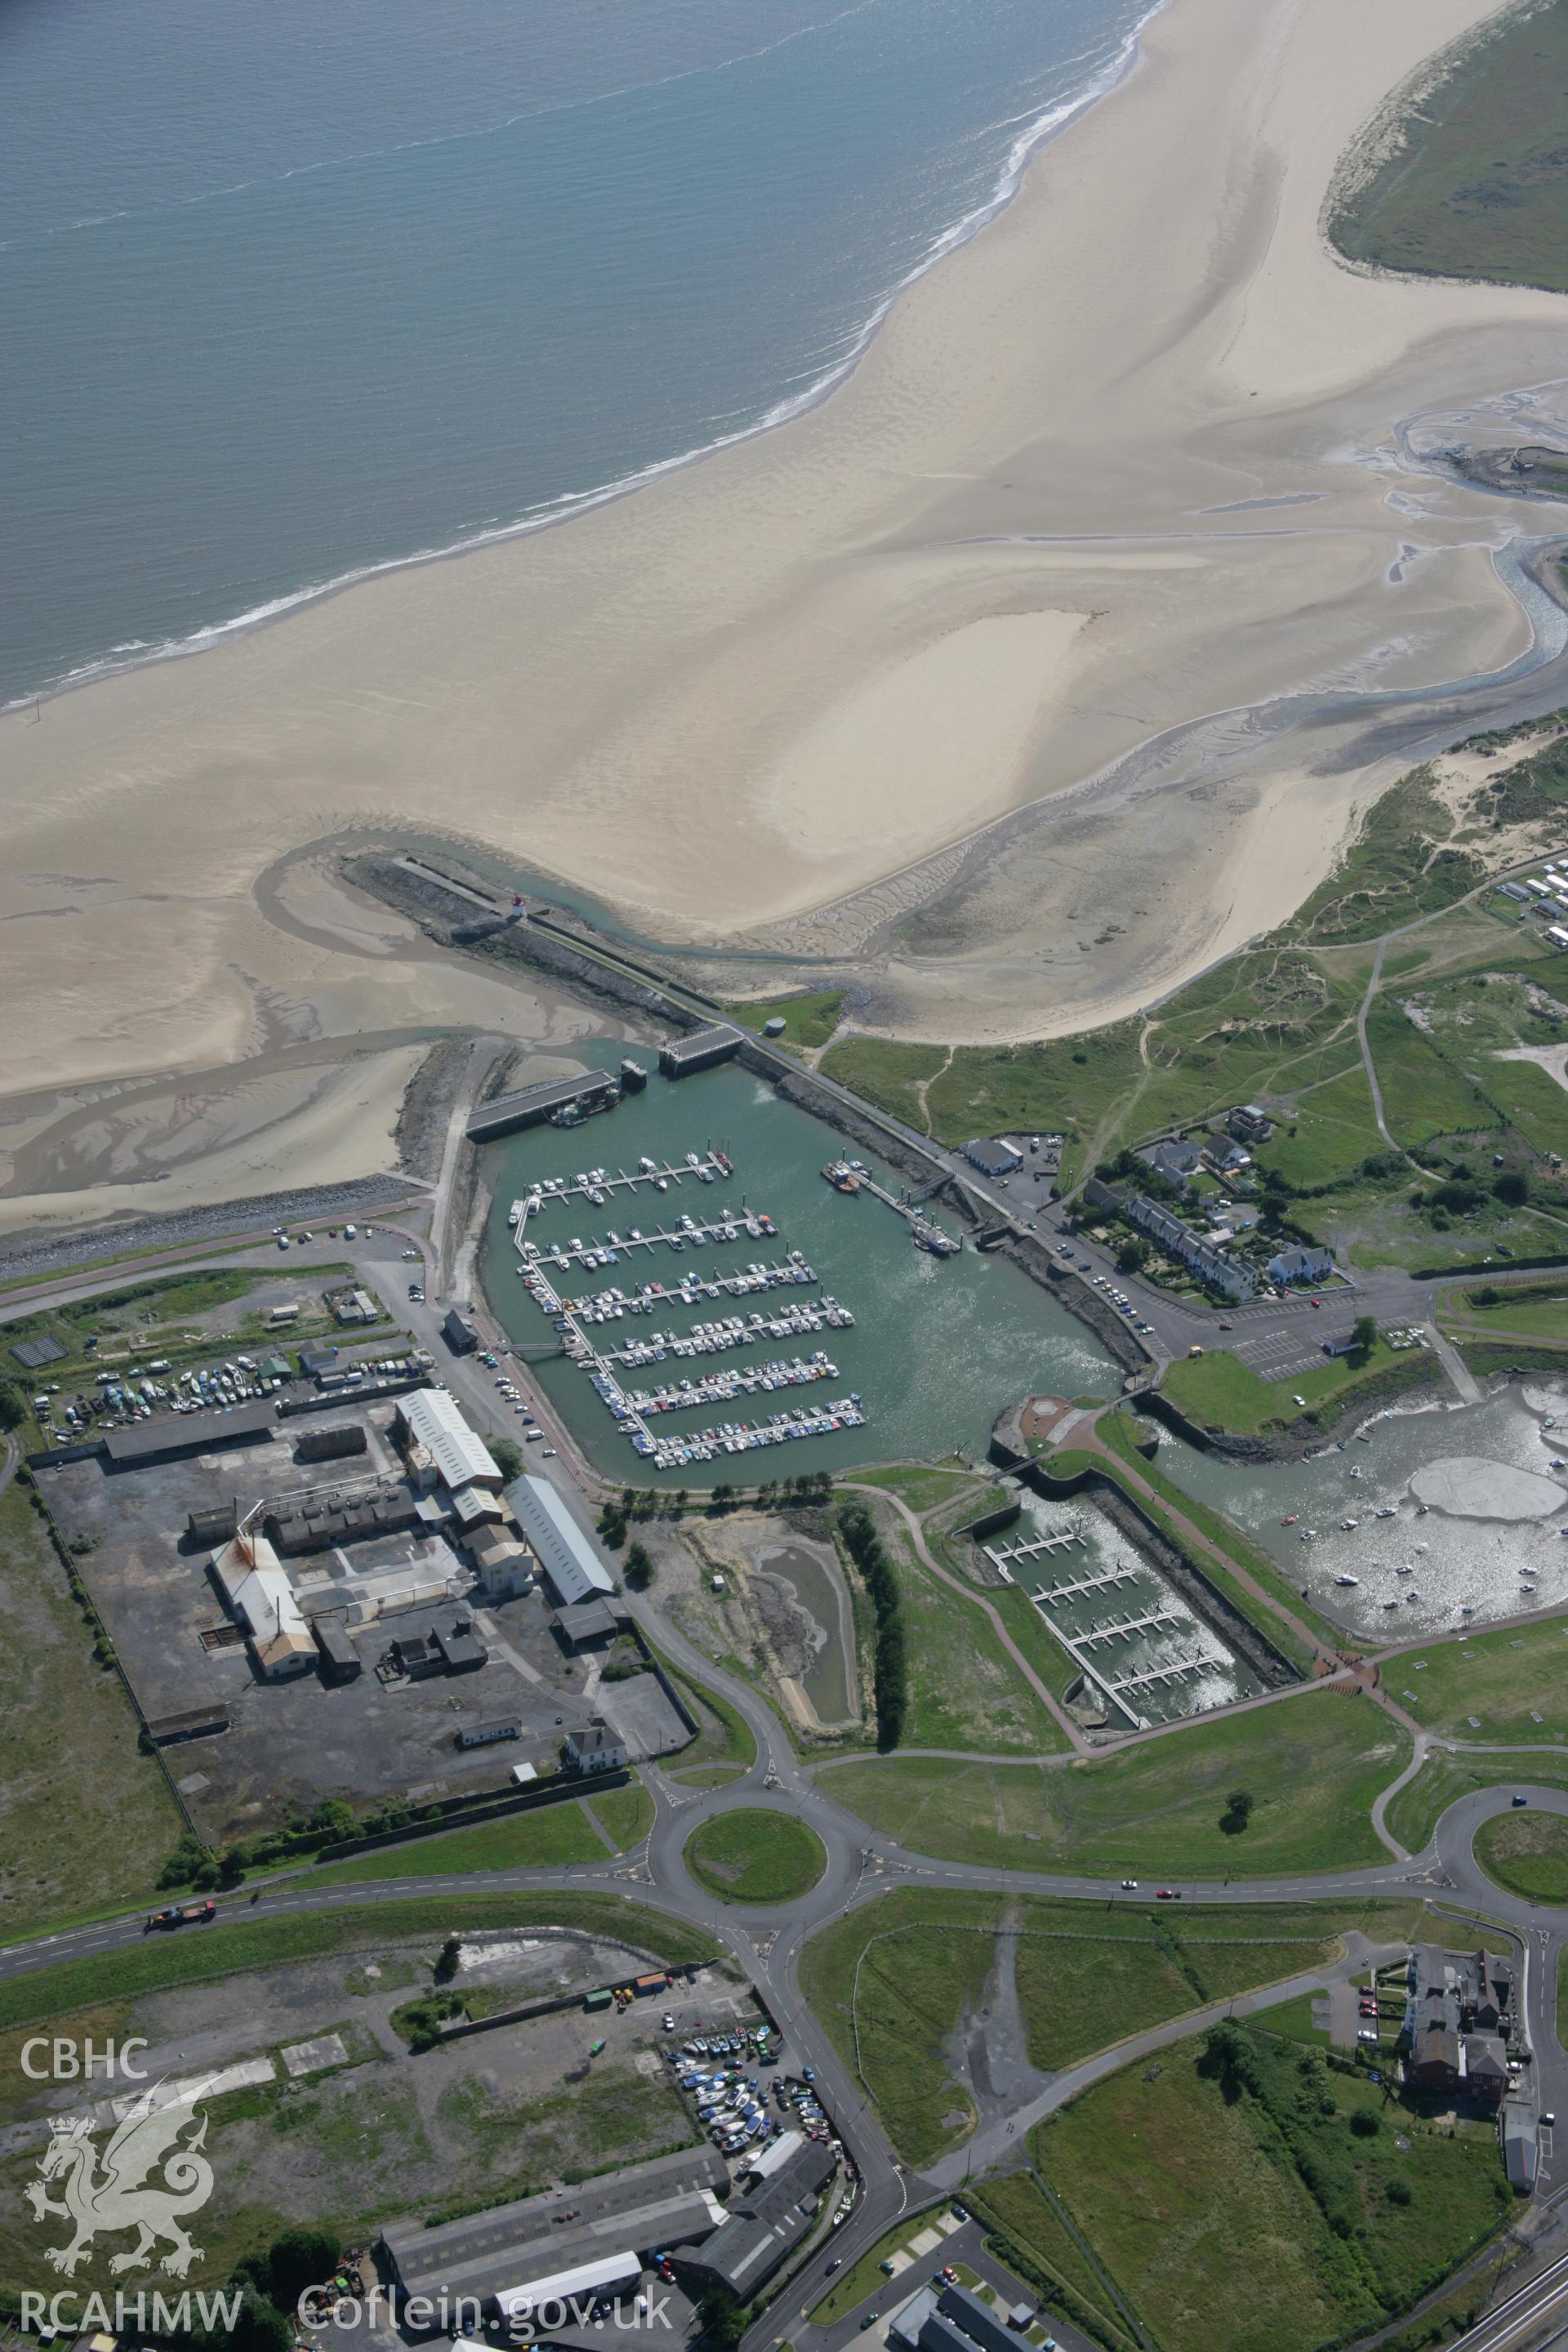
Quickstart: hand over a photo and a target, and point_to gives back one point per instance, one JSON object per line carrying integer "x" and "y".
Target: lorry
{"x": 181, "y": 1914}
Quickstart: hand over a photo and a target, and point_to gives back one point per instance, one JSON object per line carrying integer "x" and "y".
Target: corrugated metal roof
{"x": 435, "y": 1419}
{"x": 566, "y": 1555}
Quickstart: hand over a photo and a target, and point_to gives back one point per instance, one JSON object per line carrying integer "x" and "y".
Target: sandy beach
{"x": 1125, "y": 465}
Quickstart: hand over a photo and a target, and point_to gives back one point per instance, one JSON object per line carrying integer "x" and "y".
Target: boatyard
{"x": 691, "y": 1290}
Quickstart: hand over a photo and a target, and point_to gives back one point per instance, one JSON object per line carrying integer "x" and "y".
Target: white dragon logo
{"x": 122, "y": 2196}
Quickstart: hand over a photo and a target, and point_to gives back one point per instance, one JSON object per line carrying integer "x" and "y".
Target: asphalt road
{"x": 861, "y": 1864}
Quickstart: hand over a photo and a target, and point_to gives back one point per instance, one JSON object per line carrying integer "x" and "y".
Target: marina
{"x": 928, "y": 1351}
{"x": 1144, "y": 1655}
{"x": 632, "y": 1409}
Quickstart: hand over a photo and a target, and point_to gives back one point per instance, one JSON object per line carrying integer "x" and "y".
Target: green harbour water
{"x": 938, "y": 1348}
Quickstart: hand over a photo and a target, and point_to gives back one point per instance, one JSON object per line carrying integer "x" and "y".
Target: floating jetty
{"x": 596, "y": 1185}
{"x": 691, "y": 1233}
{"x": 1031, "y": 1547}
{"x": 718, "y": 1388}
{"x": 1046, "y": 1596}
{"x": 745, "y": 1437}
{"x": 1178, "y": 1670}
{"x": 734, "y": 1331}
{"x": 854, "y": 1176}
{"x": 1123, "y": 1629}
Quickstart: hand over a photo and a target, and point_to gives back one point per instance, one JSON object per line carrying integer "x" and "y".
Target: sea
{"x": 293, "y": 290}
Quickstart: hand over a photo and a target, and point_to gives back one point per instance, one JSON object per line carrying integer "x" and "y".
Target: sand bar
{"x": 1033, "y": 533}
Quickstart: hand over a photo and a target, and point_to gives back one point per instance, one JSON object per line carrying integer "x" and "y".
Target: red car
{"x": 1166, "y": 1895}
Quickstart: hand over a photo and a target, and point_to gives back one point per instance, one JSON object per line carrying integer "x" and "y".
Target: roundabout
{"x": 766, "y": 1863}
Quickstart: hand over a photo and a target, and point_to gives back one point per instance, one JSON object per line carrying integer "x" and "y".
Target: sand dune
{"x": 1125, "y": 464}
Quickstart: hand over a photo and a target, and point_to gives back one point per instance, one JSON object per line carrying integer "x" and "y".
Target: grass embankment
{"x": 809, "y": 1020}
{"x": 1219, "y": 1392}
{"x": 1036, "y": 2240}
{"x": 1528, "y": 1854}
{"x": 1538, "y": 1310}
{"x": 233, "y": 1944}
{"x": 1509, "y": 1685}
{"x": 555, "y": 1834}
{"x": 1475, "y": 186}
{"x": 723, "y": 1736}
{"x": 925, "y": 1486}
{"x": 1443, "y": 1780}
{"x": 895, "y": 1983}
{"x": 87, "y": 1822}
{"x": 1312, "y": 1764}
{"x": 963, "y": 1690}
{"x": 755, "y": 1855}
{"x": 1265, "y": 2198}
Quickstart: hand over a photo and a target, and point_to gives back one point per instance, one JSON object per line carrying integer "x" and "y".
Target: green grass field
{"x": 1234, "y": 2217}
{"x": 1331, "y": 1133}
{"x": 1511, "y": 1684}
{"x": 241, "y": 1939}
{"x": 923, "y": 1485}
{"x": 1528, "y": 1854}
{"x": 86, "y": 1820}
{"x": 965, "y": 1692}
{"x": 624, "y": 1814}
{"x": 1221, "y": 1392}
{"x": 1312, "y": 1764}
{"x": 886, "y": 1073}
{"x": 809, "y": 1020}
{"x": 1034, "y": 2236}
{"x": 755, "y": 1855}
{"x": 1476, "y": 188}
{"x": 896, "y": 1982}
{"x": 1542, "y": 1316}
{"x": 555, "y": 1834}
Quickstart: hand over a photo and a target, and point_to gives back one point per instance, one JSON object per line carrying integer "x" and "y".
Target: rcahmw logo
{"x": 148, "y": 2175}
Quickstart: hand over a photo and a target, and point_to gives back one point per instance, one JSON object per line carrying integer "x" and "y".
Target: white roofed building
{"x": 570, "y": 1565}
{"x": 441, "y": 1448}
{"x": 280, "y": 1640}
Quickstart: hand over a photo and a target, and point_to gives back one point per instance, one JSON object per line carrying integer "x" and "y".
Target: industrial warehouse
{"x": 310, "y": 1607}
{"x": 596, "y": 2239}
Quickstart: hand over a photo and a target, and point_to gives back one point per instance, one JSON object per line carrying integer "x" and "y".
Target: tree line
{"x": 889, "y": 1680}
